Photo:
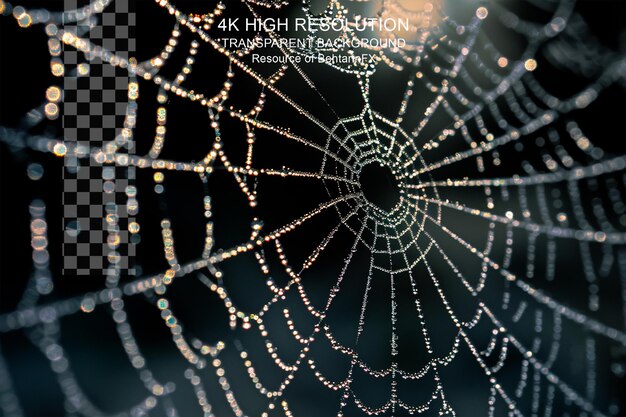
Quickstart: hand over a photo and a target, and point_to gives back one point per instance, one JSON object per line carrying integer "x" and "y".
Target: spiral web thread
{"x": 399, "y": 241}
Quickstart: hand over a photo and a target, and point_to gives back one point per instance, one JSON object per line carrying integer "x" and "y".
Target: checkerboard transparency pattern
{"x": 95, "y": 106}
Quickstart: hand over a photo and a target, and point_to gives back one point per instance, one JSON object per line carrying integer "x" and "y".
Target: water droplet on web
{"x": 72, "y": 228}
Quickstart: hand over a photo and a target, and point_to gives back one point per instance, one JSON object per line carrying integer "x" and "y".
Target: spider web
{"x": 494, "y": 282}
